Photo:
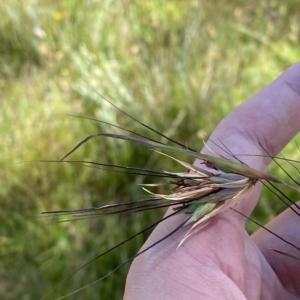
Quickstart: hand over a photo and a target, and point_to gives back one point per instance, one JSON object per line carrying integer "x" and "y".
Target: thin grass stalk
{"x": 199, "y": 193}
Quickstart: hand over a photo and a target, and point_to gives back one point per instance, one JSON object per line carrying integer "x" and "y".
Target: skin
{"x": 222, "y": 261}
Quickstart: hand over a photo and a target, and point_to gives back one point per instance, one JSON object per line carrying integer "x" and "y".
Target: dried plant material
{"x": 199, "y": 193}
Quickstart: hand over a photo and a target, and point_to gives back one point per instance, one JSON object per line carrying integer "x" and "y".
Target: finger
{"x": 270, "y": 118}
{"x": 286, "y": 225}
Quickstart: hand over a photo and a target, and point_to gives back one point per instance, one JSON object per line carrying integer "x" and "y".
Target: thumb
{"x": 266, "y": 122}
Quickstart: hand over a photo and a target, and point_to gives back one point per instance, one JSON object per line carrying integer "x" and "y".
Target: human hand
{"x": 222, "y": 261}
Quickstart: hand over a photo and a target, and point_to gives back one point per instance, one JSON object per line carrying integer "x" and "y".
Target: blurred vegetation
{"x": 179, "y": 66}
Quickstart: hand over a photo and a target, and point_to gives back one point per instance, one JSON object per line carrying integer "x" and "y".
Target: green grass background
{"x": 179, "y": 66}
